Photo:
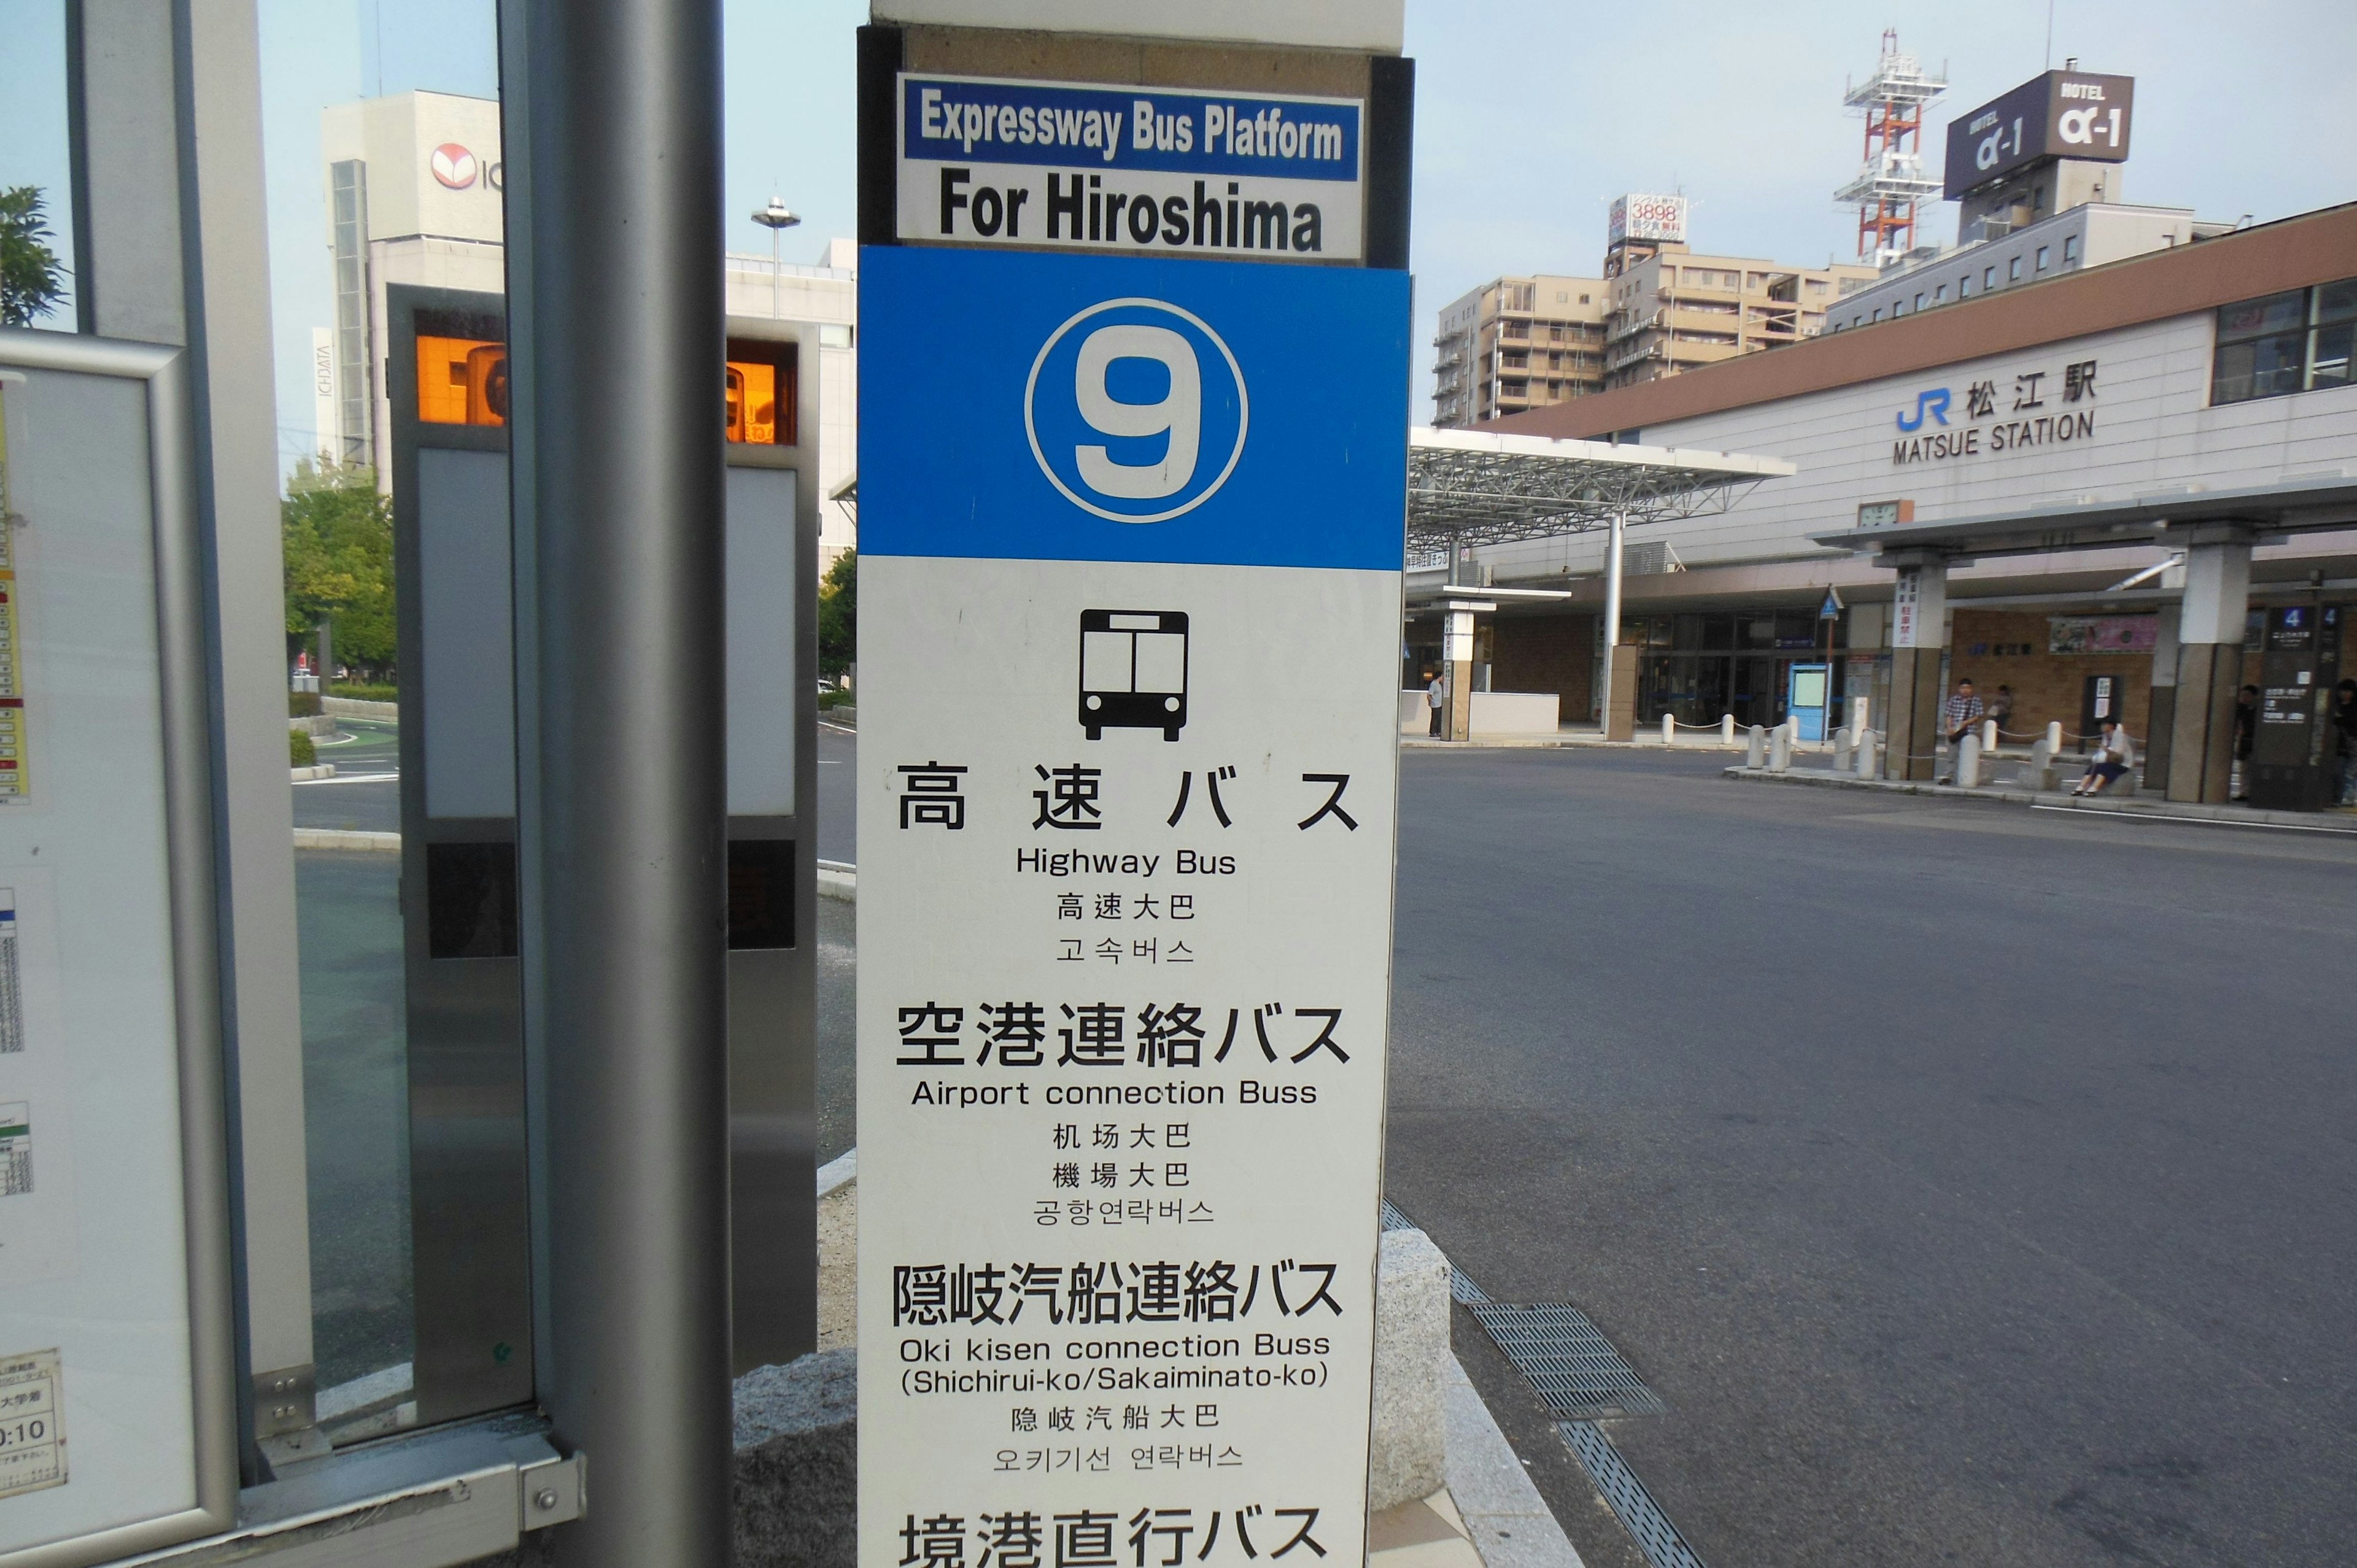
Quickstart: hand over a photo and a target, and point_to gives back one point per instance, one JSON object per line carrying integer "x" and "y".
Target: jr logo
{"x": 1933, "y": 402}
{"x": 1135, "y": 410}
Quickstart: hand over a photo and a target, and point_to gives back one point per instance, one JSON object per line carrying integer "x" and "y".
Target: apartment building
{"x": 1670, "y": 311}
{"x": 1518, "y": 344}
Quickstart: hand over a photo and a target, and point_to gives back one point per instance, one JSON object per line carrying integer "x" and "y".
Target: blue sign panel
{"x": 1085, "y": 408}
{"x": 1128, "y": 128}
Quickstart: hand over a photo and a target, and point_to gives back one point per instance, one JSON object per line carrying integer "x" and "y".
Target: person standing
{"x": 2246, "y": 734}
{"x": 2001, "y": 708}
{"x": 1436, "y": 695}
{"x": 2344, "y": 736}
{"x": 1959, "y": 714}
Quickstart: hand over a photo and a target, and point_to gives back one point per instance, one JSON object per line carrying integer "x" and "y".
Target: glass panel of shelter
{"x": 405, "y": 866}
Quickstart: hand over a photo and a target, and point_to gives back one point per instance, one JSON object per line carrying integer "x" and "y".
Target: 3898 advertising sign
{"x": 1131, "y": 536}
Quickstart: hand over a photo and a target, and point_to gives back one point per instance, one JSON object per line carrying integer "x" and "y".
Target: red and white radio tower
{"x": 1890, "y": 183}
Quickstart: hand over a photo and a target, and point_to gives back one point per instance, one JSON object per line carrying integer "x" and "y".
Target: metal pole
{"x": 1612, "y": 609}
{"x": 623, "y": 208}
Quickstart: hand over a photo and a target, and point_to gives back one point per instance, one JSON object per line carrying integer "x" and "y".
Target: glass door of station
{"x": 1696, "y": 668}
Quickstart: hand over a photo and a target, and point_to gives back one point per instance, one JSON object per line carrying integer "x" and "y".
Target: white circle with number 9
{"x": 1135, "y": 410}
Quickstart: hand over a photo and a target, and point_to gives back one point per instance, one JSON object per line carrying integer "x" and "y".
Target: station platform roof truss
{"x": 1470, "y": 486}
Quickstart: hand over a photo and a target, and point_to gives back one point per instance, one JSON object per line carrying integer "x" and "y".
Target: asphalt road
{"x": 838, "y": 766}
{"x": 1974, "y": 1184}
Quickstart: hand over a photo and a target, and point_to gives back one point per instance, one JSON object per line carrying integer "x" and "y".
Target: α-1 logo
{"x": 1135, "y": 410}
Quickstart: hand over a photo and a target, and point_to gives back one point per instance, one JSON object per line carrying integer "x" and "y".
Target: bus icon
{"x": 1132, "y": 670}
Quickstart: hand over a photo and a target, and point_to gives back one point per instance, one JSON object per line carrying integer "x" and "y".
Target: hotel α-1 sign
{"x": 1131, "y": 537}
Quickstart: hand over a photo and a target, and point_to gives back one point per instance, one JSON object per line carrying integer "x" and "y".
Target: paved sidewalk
{"x": 2334, "y": 821}
{"x": 1582, "y": 735}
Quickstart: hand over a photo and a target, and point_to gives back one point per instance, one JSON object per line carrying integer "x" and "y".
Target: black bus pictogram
{"x": 1132, "y": 670}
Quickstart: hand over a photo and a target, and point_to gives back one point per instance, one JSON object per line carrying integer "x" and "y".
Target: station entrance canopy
{"x": 1467, "y": 487}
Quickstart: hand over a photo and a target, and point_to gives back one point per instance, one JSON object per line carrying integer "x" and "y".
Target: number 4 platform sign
{"x": 1131, "y": 534}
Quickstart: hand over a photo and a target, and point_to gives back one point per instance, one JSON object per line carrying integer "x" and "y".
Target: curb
{"x": 345, "y": 839}
{"x": 838, "y": 880}
{"x": 2061, "y": 800}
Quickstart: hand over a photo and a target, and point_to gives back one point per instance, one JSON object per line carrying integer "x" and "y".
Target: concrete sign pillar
{"x": 1918, "y": 622}
{"x": 1615, "y": 548}
{"x": 2160, "y": 726}
{"x": 1619, "y": 693}
{"x": 2209, "y": 666}
{"x": 1457, "y": 666}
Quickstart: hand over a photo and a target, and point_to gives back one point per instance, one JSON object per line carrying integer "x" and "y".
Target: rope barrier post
{"x": 1779, "y": 749}
{"x": 1755, "y": 752}
{"x": 1727, "y": 729}
{"x": 1988, "y": 734}
{"x": 1968, "y": 762}
{"x": 2054, "y": 738}
{"x": 2040, "y": 776}
{"x": 1668, "y": 730}
{"x": 1842, "y": 743}
{"x": 1868, "y": 741}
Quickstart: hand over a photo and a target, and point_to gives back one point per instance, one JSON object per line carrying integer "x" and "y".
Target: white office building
{"x": 413, "y": 186}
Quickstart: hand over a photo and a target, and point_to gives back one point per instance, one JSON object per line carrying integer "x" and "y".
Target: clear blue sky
{"x": 1530, "y": 117}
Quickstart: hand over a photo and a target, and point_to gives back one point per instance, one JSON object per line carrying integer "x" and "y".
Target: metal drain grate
{"x": 1393, "y": 1219}
{"x": 1567, "y": 1358}
{"x": 1639, "y": 1514}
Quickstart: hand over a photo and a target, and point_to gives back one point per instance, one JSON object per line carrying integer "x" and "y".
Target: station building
{"x": 2220, "y": 366}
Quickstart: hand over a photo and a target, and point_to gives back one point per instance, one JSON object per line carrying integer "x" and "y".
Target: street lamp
{"x": 773, "y": 217}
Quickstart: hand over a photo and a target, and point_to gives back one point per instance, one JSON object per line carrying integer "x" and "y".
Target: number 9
{"x": 1180, "y": 411}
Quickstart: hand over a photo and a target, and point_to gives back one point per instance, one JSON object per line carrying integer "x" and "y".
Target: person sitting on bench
{"x": 2114, "y": 757}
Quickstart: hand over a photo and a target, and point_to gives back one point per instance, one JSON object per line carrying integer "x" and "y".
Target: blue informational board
{"x": 1806, "y": 699}
{"x": 1086, "y": 408}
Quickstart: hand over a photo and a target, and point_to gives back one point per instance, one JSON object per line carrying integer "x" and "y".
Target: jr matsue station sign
{"x": 1132, "y": 529}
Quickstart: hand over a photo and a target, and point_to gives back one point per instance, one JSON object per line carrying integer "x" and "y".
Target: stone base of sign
{"x": 797, "y": 1463}
{"x": 838, "y": 1268}
{"x": 1407, "y": 1457}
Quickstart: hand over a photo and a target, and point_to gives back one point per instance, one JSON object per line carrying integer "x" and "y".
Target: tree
{"x": 32, "y": 280}
{"x": 838, "y": 615}
{"x": 338, "y": 532}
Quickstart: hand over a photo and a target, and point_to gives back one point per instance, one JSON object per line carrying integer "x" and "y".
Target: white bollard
{"x": 1988, "y": 736}
{"x": 1868, "y": 741}
{"x": 2054, "y": 738}
{"x": 1727, "y": 729}
{"x": 1668, "y": 730}
{"x": 1779, "y": 749}
{"x": 1755, "y": 750}
{"x": 1968, "y": 763}
{"x": 1842, "y": 743}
